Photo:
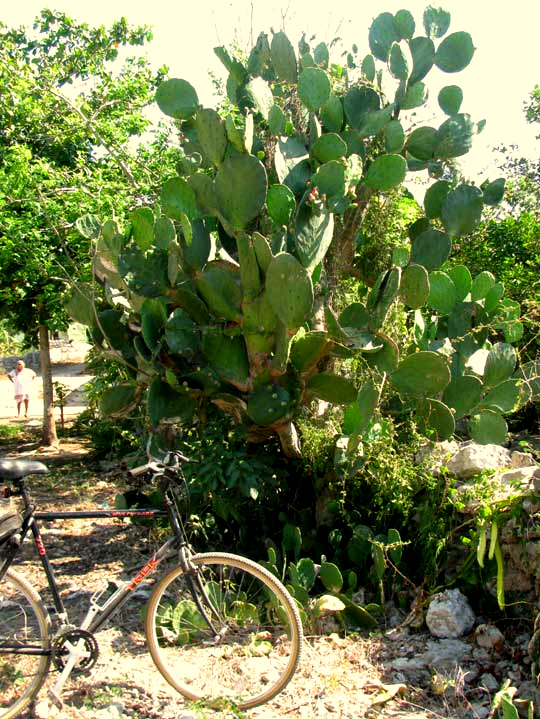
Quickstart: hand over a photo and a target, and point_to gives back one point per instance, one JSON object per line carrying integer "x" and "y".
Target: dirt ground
{"x": 72, "y": 375}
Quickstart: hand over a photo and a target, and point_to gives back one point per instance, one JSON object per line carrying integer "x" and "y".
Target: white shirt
{"x": 22, "y": 380}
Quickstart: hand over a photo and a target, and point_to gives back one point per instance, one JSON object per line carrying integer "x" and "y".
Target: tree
{"x": 227, "y": 292}
{"x": 67, "y": 117}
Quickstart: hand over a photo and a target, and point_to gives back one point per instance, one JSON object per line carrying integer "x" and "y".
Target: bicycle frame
{"x": 175, "y": 545}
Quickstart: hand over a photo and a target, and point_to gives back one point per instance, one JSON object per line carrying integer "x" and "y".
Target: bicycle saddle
{"x": 11, "y": 469}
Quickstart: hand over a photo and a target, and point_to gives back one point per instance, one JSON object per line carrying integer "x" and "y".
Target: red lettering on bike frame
{"x": 145, "y": 571}
{"x": 128, "y": 513}
{"x": 40, "y": 547}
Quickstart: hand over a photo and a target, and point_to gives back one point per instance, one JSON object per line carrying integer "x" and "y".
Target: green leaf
{"x": 314, "y": 231}
{"x": 422, "y": 142}
{"x": 462, "y": 280}
{"x": 329, "y": 146}
{"x": 379, "y": 560}
{"x": 382, "y": 34}
{"x": 119, "y": 401}
{"x": 386, "y": 172}
{"x": 421, "y": 374}
{"x": 276, "y": 120}
{"x": 455, "y": 136}
{"x": 505, "y": 397}
{"x": 398, "y": 63}
{"x": 241, "y": 189}
{"x": 212, "y": 135}
{"x": 500, "y": 364}
{"x": 313, "y": 88}
{"x": 178, "y": 199}
{"x": 332, "y": 113}
{"x": 455, "y": 52}
{"x": 481, "y": 285}
{"x": 80, "y": 306}
{"x": 415, "y": 96}
{"x": 181, "y": 333}
{"x": 89, "y": 226}
{"x": 166, "y": 403}
{"x": 289, "y": 290}
{"x": 283, "y": 57}
{"x": 142, "y": 226}
{"x": 436, "y": 21}
{"x": 368, "y": 68}
{"x": 153, "y": 319}
{"x": 332, "y": 388}
{"x": 463, "y": 394}
{"x": 494, "y": 191}
{"x": 414, "y": 287}
{"x": 431, "y": 248}
{"x": 450, "y": 99}
{"x": 461, "y": 211}
{"x": 331, "y": 576}
{"x": 493, "y": 297}
{"x": 330, "y": 179}
{"x": 404, "y": 24}
{"x": 394, "y": 136}
{"x": 435, "y": 419}
{"x": 177, "y": 98}
{"x": 261, "y": 94}
{"x": 280, "y": 203}
{"x": 321, "y": 54}
{"x": 423, "y": 52}
{"x": 442, "y": 292}
{"x": 435, "y": 197}
{"x": 291, "y": 164}
{"x": 488, "y": 427}
{"x": 359, "y": 414}
{"x": 164, "y": 233}
{"x": 358, "y": 102}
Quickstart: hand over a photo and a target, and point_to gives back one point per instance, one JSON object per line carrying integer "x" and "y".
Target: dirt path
{"x": 73, "y": 375}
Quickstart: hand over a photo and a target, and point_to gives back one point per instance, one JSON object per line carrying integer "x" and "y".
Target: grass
{"x": 10, "y": 432}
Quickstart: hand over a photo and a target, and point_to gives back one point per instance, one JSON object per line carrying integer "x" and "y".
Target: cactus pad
{"x": 240, "y": 186}
{"x": 289, "y": 290}
{"x": 268, "y": 404}
{"x": 414, "y": 287}
{"x": 421, "y": 374}
{"x": 435, "y": 419}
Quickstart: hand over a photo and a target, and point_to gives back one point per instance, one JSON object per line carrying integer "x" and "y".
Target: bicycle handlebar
{"x": 155, "y": 467}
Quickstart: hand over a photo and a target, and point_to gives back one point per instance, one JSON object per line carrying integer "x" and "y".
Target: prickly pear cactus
{"x": 217, "y": 291}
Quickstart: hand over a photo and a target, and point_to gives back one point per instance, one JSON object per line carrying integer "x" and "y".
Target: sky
{"x": 504, "y": 69}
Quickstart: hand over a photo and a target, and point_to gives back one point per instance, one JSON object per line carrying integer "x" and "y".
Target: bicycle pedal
{"x": 55, "y": 698}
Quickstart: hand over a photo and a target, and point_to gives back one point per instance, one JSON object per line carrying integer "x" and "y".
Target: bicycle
{"x": 218, "y": 626}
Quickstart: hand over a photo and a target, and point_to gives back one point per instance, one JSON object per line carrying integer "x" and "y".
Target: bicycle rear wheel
{"x": 247, "y": 647}
{"x": 24, "y": 644}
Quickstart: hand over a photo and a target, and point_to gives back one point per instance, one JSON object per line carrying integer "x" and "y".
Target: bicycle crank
{"x": 64, "y": 644}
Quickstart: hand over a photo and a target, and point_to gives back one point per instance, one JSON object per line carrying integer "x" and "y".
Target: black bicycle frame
{"x": 123, "y": 593}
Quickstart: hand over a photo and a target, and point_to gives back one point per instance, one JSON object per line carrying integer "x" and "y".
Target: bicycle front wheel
{"x": 228, "y": 630}
{"x": 24, "y": 644}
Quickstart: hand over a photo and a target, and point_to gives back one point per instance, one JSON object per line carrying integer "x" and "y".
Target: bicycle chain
{"x": 72, "y": 634}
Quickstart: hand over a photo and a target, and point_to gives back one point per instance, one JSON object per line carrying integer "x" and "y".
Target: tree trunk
{"x": 49, "y": 425}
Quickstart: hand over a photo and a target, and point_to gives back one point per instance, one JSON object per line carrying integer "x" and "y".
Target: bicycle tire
{"x": 24, "y": 626}
{"x": 258, "y": 643}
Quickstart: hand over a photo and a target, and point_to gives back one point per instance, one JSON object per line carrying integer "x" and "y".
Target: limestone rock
{"x": 449, "y": 615}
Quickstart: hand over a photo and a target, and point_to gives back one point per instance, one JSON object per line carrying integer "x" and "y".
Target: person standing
{"x": 22, "y": 378}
